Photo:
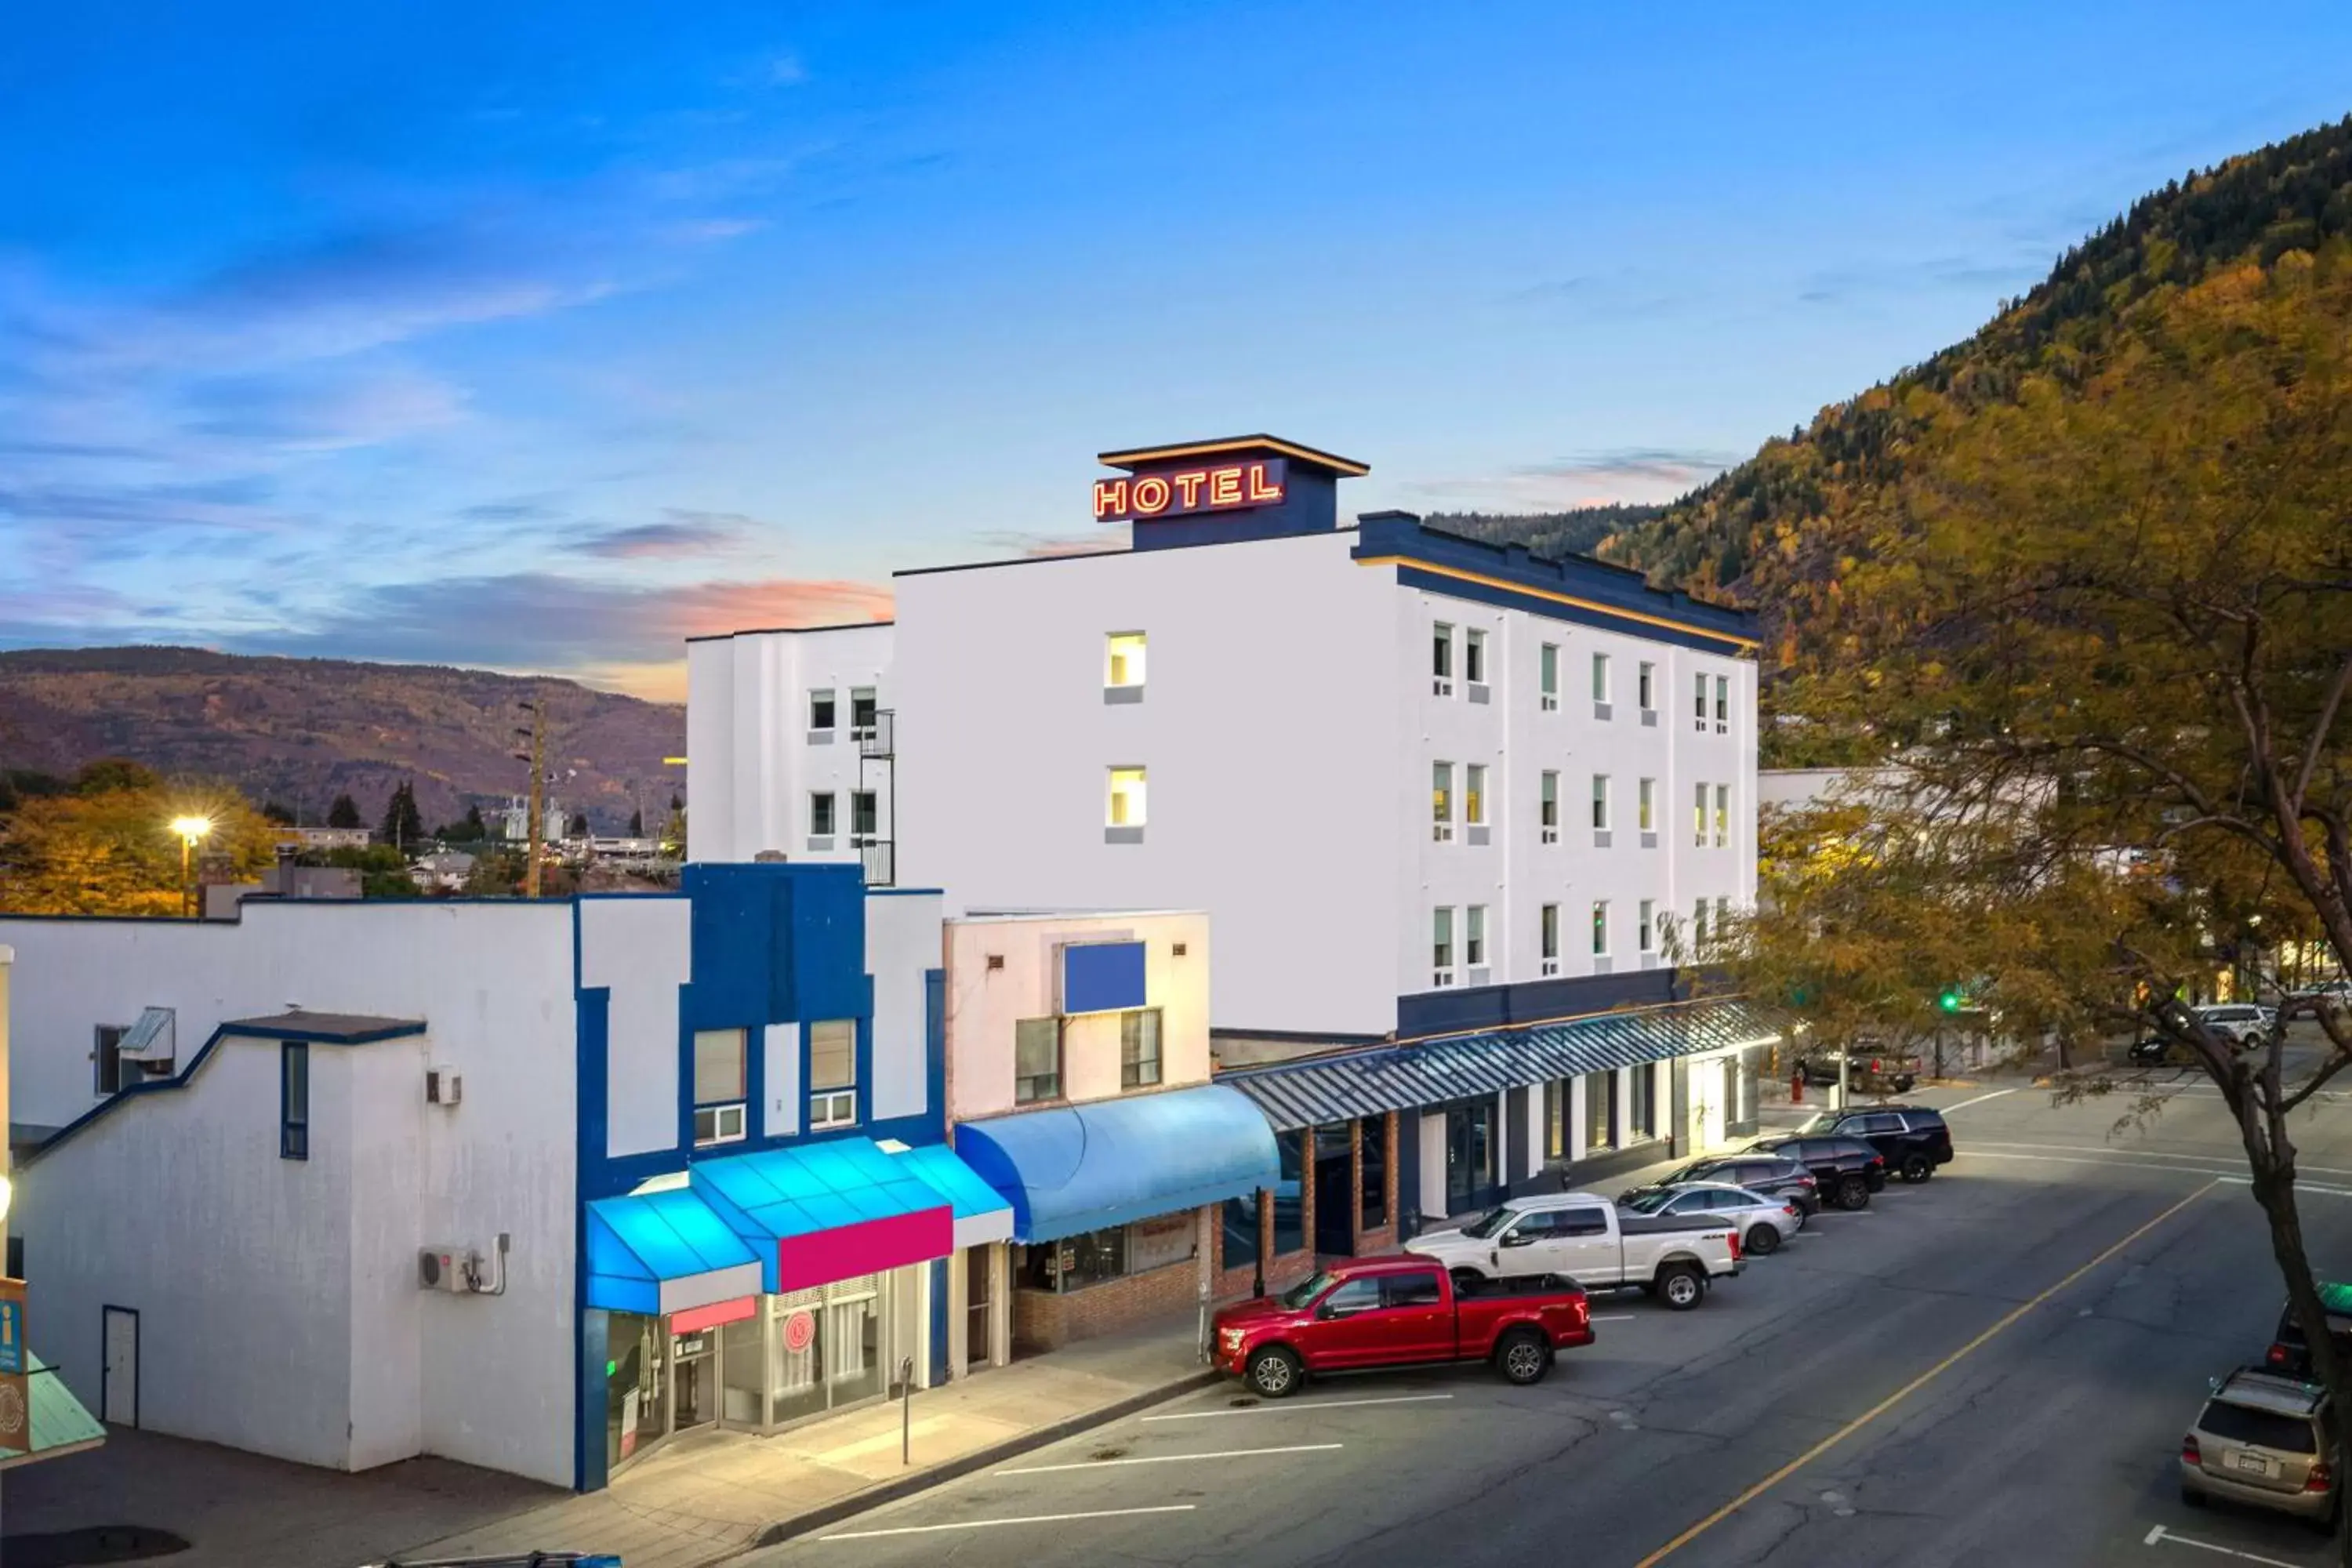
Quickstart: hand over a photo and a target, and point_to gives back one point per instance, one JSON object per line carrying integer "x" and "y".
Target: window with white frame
{"x": 1474, "y": 936}
{"x": 1601, "y": 678}
{"x": 1722, "y": 919}
{"x": 862, "y": 707}
{"x": 1547, "y": 675}
{"x": 1723, "y": 704}
{"x": 1646, "y": 687}
{"x": 1126, "y": 807}
{"x": 821, "y": 813}
{"x": 864, "y": 818}
{"x": 1699, "y": 702}
{"x": 1645, "y": 804}
{"x": 1123, "y": 659}
{"x": 1440, "y": 945}
{"x": 1036, "y": 1060}
{"x": 820, "y": 712}
{"x": 1722, "y": 815}
{"x": 1441, "y": 802}
{"x": 1599, "y": 927}
{"x": 1547, "y": 808}
{"x": 1601, "y": 803}
{"x": 721, "y": 1085}
{"x": 1474, "y": 796}
{"x": 1441, "y": 659}
{"x": 1473, "y": 656}
{"x": 1138, "y": 1048}
{"x": 1646, "y": 930}
{"x": 1548, "y": 928}
{"x": 1699, "y": 815}
{"x": 831, "y": 1073}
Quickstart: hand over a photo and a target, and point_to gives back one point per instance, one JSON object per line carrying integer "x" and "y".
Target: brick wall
{"x": 1234, "y": 1276}
{"x": 1047, "y": 1320}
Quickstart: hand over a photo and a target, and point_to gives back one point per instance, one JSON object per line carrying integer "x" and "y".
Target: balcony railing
{"x": 875, "y": 737}
{"x": 880, "y": 864}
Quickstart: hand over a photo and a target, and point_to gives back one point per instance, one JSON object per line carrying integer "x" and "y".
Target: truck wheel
{"x": 1762, "y": 1239}
{"x": 1275, "y": 1371}
{"x": 1682, "y": 1287}
{"x": 1916, "y": 1168}
{"x": 1852, "y": 1192}
{"x": 1523, "y": 1357}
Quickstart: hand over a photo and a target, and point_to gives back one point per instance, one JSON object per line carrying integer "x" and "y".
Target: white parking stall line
{"x": 1975, "y": 1144}
{"x": 1171, "y": 1458}
{"x": 1980, "y": 1099}
{"x": 2300, "y": 1188}
{"x": 991, "y": 1523}
{"x": 2160, "y": 1535}
{"x": 1298, "y": 1404}
{"x": 2107, "y": 1163}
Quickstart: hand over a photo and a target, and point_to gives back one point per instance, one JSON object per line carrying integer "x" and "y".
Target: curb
{"x": 947, "y": 1470}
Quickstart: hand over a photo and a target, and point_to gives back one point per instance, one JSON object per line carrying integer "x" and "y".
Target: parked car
{"x": 2245, "y": 1023}
{"x": 1764, "y": 1223}
{"x": 1768, "y": 1174}
{"x": 2290, "y": 1352}
{"x": 1846, "y": 1169}
{"x": 1401, "y": 1311}
{"x": 1582, "y": 1236}
{"x": 2151, "y": 1051}
{"x": 1913, "y": 1138}
{"x": 1876, "y": 1072}
{"x": 2264, "y": 1439}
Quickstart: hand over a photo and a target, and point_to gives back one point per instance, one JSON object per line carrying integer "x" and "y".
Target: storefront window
{"x": 1373, "y": 1197}
{"x": 796, "y": 1357}
{"x": 856, "y": 1353}
{"x": 1555, "y": 1119}
{"x": 1241, "y": 1232}
{"x": 636, "y": 1411}
{"x": 1289, "y": 1200}
{"x": 1646, "y": 1101}
{"x": 1599, "y": 1110}
{"x": 740, "y": 1373}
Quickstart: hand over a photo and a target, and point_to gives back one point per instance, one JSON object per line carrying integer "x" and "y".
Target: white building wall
{"x": 1268, "y": 727}
{"x": 278, "y": 1308}
{"x": 902, "y": 944}
{"x": 984, "y": 1004}
{"x": 641, "y": 947}
{"x": 752, "y": 760}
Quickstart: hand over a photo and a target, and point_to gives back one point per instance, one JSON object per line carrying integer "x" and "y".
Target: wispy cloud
{"x": 1585, "y": 478}
{"x": 1046, "y": 546}
{"x": 679, "y": 533}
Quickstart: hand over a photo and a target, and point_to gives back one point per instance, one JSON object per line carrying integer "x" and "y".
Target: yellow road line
{"x": 1904, "y": 1392}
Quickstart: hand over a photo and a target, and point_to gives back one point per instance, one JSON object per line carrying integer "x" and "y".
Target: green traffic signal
{"x": 1949, "y": 1000}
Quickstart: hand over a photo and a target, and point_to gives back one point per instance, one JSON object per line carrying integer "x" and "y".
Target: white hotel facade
{"x": 1437, "y": 796}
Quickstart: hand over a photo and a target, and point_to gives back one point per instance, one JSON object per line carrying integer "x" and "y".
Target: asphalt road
{"x": 1992, "y": 1368}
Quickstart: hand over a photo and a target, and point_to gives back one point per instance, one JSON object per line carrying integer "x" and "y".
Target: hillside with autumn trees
{"x": 1782, "y": 531}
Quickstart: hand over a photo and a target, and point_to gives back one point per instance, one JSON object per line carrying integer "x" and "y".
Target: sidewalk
{"x": 706, "y": 1496}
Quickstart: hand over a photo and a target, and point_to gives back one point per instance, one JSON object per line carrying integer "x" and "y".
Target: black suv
{"x": 1771, "y": 1175}
{"x": 2290, "y": 1352}
{"x": 1913, "y": 1138}
{"x": 1846, "y": 1170}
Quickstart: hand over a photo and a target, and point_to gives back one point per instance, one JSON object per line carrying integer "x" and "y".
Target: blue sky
{"x": 538, "y": 337}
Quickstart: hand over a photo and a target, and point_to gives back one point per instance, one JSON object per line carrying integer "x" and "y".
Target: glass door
{"x": 694, "y": 1381}
{"x": 978, "y": 1345}
{"x": 856, "y": 1351}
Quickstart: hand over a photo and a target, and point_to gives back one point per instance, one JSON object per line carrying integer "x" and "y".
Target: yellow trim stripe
{"x": 1346, "y": 466}
{"x": 1594, "y": 604}
{"x": 1904, "y": 1392}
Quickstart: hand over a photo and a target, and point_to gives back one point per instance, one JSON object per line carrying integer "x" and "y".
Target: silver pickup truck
{"x": 1589, "y": 1240}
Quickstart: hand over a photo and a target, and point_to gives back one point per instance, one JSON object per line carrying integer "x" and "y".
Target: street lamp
{"x": 192, "y": 831}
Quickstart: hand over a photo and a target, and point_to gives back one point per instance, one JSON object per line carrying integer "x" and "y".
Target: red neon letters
{"x": 1228, "y": 487}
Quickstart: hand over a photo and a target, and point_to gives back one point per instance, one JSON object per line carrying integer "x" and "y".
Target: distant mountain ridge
{"x": 300, "y": 732}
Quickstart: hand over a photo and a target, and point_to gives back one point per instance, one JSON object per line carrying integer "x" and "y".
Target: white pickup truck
{"x": 1586, "y": 1239}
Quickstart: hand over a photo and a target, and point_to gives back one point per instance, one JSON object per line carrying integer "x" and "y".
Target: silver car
{"x": 2243, "y": 1021}
{"x": 2264, "y": 1439}
{"x": 1764, "y": 1222}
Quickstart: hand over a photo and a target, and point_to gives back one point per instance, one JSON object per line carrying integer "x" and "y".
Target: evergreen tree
{"x": 638, "y": 823}
{"x": 403, "y": 824}
{"x": 344, "y": 813}
{"x": 279, "y": 813}
{"x": 578, "y": 826}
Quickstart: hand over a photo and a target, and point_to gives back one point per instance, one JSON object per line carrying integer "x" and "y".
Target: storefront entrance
{"x": 693, "y": 1380}
{"x": 1470, "y": 1180}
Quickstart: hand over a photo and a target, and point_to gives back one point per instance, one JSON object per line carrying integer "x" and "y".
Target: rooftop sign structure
{"x": 1200, "y": 492}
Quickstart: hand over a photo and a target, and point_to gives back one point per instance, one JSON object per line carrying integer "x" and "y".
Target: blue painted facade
{"x": 1102, "y": 976}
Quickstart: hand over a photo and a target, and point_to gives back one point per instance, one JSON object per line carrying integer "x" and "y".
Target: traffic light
{"x": 1951, "y": 1000}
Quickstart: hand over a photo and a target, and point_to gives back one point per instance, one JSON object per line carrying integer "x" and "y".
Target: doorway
{"x": 1470, "y": 1156}
{"x": 1335, "y": 1190}
{"x": 979, "y": 1300}
{"x": 118, "y": 1378}
{"x": 693, "y": 1380}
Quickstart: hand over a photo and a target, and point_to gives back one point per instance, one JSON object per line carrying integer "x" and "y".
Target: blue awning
{"x": 1401, "y": 1077}
{"x": 1088, "y": 1167}
{"x": 816, "y": 1212}
{"x": 981, "y": 1214}
{"x": 665, "y": 1252}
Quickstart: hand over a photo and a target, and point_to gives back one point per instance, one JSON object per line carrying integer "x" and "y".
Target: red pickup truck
{"x": 1400, "y": 1310}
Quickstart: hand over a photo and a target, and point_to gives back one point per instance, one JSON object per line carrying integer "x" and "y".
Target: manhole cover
{"x": 97, "y": 1544}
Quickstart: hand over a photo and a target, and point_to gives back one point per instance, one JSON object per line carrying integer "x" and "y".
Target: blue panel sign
{"x": 1102, "y": 976}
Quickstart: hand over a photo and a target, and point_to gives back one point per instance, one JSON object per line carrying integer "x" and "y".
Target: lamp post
{"x": 192, "y": 831}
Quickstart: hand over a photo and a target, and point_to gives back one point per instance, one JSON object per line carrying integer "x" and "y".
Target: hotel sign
{"x": 1216, "y": 487}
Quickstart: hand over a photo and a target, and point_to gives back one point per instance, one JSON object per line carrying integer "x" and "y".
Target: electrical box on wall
{"x": 444, "y": 1086}
{"x": 446, "y": 1268}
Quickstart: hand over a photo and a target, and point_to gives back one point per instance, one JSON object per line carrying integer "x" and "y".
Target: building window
{"x": 833, "y": 1073}
{"x": 1548, "y": 926}
{"x": 1599, "y": 927}
{"x": 722, "y": 1086}
{"x": 1555, "y": 1095}
{"x": 1722, "y": 704}
{"x": 1547, "y": 675}
{"x": 821, "y": 711}
{"x": 1372, "y": 1159}
{"x": 1601, "y": 803}
{"x": 1699, "y": 815}
{"x": 1138, "y": 1048}
{"x": 106, "y": 1054}
{"x": 1600, "y": 1111}
{"x": 1699, "y": 929}
{"x": 1441, "y": 802}
{"x": 1722, "y": 919}
{"x": 1474, "y": 656}
{"x": 1474, "y": 796}
{"x": 1645, "y": 804}
{"x": 1127, "y": 798}
{"x": 1036, "y": 1060}
{"x": 864, "y": 822}
{"x": 1441, "y": 659}
{"x": 1125, "y": 659}
{"x": 1645, "y": 687}
{"x": 1646, "y": 931}
{"x": 1644, "y": 1109}
{"x": 1289, "y": 1197}
{"x": 1601, "y": 678}
{"x": 821, "y": 814}
{"x": 1548, "y": 812}
{"x": 1440, "y": 945}
{"x": 1699, "y": 702}
{"x": 1473, "y": 935}
{"x": 1722, "y": 815}
{"x": 1074, "y": 1262}
{"x": 293, "y": 1100}
{"x": 861, "y": 712}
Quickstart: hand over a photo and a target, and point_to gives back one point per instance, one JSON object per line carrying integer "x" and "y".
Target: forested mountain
{"x": 1554, "y": 533}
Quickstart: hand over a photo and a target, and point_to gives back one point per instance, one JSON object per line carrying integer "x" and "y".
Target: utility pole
{"x": 533, "y": 823}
